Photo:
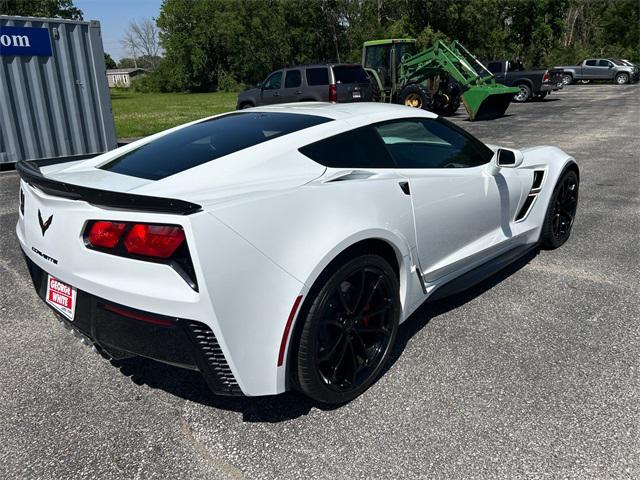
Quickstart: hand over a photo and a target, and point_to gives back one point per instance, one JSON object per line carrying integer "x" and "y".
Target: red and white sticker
{"x": 62, "y": 297}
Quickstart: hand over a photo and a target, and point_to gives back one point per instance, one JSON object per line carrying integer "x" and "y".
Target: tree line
{"x": 222, "y": 44}
{"x": 214, "y": 44}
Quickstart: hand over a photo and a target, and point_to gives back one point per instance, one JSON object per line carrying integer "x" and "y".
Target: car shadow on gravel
{"x": 428, "y": 310}
{"x": 190, "y": 385}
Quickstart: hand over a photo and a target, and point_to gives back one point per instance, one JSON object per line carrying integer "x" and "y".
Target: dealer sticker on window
{"x": 62, "y": 297}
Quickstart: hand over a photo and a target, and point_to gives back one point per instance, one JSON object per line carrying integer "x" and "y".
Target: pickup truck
{"x": 532, "y": 83}
{"x": 600, "y": 69}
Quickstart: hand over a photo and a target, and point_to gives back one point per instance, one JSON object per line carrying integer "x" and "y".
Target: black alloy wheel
{"x": 349, "y": 330}
{"x": 561, "y": 211}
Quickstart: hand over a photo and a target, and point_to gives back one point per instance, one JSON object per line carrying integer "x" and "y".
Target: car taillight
{"x": 106, "y": 234}
{"x": 150, "y": 242}
{"x": 546, "y": 77}
{"x": 333, "y": 93}
{"x": 154, "y": 240}
{"x": 145, "y": 239}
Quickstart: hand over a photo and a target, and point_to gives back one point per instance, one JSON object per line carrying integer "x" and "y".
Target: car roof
{"x": 342, "y": 111}
{"x": 321, "y": 65}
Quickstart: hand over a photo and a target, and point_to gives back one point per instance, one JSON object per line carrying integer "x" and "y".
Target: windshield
{"x": 207, "y": 140}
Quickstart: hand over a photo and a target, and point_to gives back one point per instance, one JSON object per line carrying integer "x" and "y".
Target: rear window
{"x": 495, "y": 67}
{"x": 206, "y": 141}
{"x": 293, "y": 79}
{"x": 350, "y": 74}
{"x": 317, "y": 76}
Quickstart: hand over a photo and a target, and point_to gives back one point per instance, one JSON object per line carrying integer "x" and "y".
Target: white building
{"x": 121, "y": 77}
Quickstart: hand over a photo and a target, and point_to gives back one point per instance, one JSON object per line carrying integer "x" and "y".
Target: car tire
{"x": 622, "y": 78}
{"x": 567, "y": 79}
{"x": 416, "y": 95}
{"x": 524, "y": 94}
{"x": 246, "y": 105}
{"x": 561, "y": 211}
{"x": 348, "y": 330}
{"x": 584, "y": 82}
{"x": 541, "y": 96}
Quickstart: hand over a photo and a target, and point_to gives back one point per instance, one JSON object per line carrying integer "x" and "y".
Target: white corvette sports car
{"x": 280, "y": 247}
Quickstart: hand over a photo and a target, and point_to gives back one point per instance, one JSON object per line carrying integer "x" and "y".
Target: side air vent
{"x": 217, "y": 369}
{"x": 536, "y": 187}
{"x": 538, "y": 175}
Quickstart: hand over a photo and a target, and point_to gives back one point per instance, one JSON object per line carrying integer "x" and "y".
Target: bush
{"x": 227, "y": 82}
{"x": 146, "y": 83}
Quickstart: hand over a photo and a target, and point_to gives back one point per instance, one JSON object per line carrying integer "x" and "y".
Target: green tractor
{"x": 434, "y": 79}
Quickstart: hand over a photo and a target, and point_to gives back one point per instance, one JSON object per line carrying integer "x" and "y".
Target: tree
{"x": 41, "y": 8}
{"x": 243, "y": 40}
{"x": 127, "y": 63}
{"x": 109, "y": 62}
{"x": 142, "y": 41}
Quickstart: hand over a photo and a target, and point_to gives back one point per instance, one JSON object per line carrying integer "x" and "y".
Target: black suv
{"x": 333, "y": 82}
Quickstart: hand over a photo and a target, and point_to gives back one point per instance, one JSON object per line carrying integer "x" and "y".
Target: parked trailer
{"x": 54, "y": 98}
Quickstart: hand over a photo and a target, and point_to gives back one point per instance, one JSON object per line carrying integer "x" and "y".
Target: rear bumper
{"x": 121, "y": 332}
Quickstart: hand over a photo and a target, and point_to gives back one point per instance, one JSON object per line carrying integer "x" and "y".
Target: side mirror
{"x": 260, "y": 86}
{"x": 509, "y": 158}
{"x": 505, "y": 158}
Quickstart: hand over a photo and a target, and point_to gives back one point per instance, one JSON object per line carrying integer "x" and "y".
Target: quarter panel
{"x": 302, "y": 230}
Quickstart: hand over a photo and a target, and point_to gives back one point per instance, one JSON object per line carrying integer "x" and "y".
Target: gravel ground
{"x": 535, "y": 373}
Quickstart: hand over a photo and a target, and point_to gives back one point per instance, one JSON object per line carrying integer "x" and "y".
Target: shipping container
{"x": 54, "y": 97}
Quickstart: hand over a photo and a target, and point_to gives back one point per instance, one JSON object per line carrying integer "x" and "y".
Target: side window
{"x": 274, "y": 81}
{"x": 604, "y": 63}
{"x": 431, "y": 143}
{"x": 359, "y": 148}
{"x": 590, "y": 63}
{"x": 293, "y": 79}
{"x": 495, "y": 67}
{"x": 317, "y": 76}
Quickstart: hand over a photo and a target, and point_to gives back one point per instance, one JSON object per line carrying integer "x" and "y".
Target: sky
{"x": 114, "y": 17}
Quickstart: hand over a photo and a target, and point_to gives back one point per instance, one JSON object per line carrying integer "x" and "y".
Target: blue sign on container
{"x": 25, "y": 41}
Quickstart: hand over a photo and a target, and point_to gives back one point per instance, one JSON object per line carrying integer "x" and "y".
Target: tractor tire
{"x": 416, "y": 96}
{"x": 449, "y": 108}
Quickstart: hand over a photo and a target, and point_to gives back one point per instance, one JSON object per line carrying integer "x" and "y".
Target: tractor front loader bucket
{"x": 484, "y": 102}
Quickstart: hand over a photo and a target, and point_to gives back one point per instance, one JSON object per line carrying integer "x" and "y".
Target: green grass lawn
{"x": 141, "y": 114}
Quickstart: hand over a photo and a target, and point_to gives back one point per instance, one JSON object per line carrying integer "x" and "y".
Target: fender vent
{"x": 536, "y": 188}
{"x": 538, "y": 175}
{"x": 216, "y": 369}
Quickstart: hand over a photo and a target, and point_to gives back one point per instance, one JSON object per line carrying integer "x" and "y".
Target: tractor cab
{"x": 382, "y": 58}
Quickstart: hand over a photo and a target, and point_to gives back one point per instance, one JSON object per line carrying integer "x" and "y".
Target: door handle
{"x": 276, "y": 94}
{"x": 299, "y": 92}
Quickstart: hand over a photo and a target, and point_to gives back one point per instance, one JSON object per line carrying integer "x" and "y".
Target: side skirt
{"x": 480, "y": 273}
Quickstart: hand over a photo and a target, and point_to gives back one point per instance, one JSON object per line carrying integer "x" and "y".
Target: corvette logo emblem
{"x": 44, "y": 225}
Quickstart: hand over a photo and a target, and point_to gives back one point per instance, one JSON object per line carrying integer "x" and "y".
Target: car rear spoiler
{"x": 30, "y": 173}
